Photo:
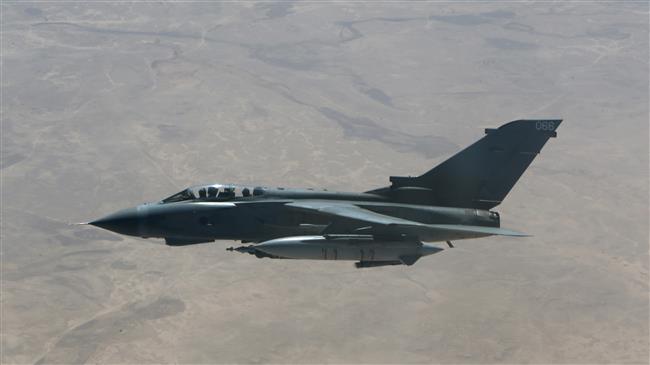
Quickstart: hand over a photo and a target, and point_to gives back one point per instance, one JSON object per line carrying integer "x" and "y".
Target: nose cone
{"x": 126, "y": 221}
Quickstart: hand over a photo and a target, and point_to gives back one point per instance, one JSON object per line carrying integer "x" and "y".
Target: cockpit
{"x": 215, "y": 192}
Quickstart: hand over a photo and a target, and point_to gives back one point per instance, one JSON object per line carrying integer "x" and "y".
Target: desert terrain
{"x": 109, "y": 105}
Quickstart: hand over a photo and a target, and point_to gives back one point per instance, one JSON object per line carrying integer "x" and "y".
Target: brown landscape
{"x": 109, "y": 105}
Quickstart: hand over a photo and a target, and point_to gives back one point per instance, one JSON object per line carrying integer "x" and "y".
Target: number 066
{"x": 544, "y": 125}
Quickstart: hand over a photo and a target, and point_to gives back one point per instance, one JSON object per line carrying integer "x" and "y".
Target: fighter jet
{"x": 392, "y": 225}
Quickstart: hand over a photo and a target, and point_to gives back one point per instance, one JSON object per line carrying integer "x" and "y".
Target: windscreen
{"x": 186, "y": 194}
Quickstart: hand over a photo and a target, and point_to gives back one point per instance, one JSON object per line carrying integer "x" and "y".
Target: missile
{"x": 362, "y": 248}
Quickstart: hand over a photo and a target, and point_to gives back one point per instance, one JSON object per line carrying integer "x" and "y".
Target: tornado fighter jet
{"x": 392, "y": 225}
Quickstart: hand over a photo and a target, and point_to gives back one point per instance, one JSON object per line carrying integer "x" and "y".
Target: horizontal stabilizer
{"x": 480, "y": 230}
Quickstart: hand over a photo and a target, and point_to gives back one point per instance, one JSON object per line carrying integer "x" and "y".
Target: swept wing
{"x": 350, "y": 218}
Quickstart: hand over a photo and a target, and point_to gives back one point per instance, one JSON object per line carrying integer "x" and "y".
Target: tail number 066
{"x": 544, "y": 125}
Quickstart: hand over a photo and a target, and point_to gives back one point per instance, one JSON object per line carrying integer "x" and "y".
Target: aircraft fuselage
{"x": 265, "y": 216}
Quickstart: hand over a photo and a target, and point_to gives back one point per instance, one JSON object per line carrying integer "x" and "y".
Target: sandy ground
{"x": 108, "y": 105}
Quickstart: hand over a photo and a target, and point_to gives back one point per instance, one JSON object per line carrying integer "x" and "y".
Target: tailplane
{"x": 481, "y": 175}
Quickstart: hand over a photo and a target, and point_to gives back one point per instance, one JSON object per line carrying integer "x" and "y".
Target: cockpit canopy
{"x": 215, "y": 192}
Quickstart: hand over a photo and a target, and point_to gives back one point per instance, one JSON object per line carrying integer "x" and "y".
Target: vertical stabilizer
{"x": 481, "y": 175}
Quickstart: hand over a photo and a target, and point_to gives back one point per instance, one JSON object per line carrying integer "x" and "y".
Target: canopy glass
{"x": 214, "y": 192}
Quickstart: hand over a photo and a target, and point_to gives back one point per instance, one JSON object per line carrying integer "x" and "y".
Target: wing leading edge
{"x": 369, "y": 222}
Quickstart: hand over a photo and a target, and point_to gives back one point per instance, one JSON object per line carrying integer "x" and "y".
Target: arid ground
{"x": 107, "y": 105}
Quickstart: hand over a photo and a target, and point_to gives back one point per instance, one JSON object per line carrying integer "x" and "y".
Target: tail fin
{"x": 481, "y": 175}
